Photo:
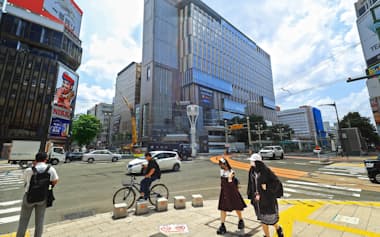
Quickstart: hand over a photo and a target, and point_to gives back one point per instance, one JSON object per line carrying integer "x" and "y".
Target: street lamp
{"x": 339, "y": 130}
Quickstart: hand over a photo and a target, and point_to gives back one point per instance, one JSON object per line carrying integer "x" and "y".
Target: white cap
{"x": 254, "y": 157}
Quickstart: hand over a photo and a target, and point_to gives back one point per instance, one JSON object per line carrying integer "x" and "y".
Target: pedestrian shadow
{"x": 252, "y": 227}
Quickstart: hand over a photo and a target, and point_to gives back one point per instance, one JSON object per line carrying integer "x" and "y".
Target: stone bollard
{"x": 179, "y": 202}
{"x": 119, "y": 210}
{"x": 197, "y": 200}
{"x": 141, "y": 207}
{"x": 162, "y": 204}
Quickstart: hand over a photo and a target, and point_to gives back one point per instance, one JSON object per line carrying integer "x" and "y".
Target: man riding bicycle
{"x": 152, "y": 172}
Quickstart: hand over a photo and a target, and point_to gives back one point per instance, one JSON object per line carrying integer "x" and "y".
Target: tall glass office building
{"x": 192, "y": 55}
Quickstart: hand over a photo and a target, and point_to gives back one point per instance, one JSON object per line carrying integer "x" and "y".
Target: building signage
{"x": 368, "y": 36}
{"x": 205, "y": 97}
{"x": 66, "y": 11}
{"x": 268, "y": 103}
{"x": 64, "y": 102}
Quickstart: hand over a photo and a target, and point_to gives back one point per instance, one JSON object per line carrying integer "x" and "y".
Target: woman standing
{"x": 229, "y": 198}
{"x": 263, "y": 189}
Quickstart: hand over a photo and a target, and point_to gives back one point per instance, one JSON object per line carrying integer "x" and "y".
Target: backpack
{"x": 39, "y": 186}
{"x": 278, "y": 190}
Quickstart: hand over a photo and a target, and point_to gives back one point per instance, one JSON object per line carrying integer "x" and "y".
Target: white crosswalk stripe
{"x": 318, "y": 190}
{"x": 11, "y": 180}
{"x": 10, "y": 211}
{"x": 347, "y": 171}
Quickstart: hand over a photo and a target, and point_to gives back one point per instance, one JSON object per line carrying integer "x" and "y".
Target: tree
{"x": 280, "y": 132}
{"x": 85, "y": 129}
{"x": 367, "y": 130}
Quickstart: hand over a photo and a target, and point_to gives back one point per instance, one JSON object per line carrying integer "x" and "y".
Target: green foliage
{"x": 367, "y": 130}
{"x": 85, "y": 129}
{"x": 280, "y": 132}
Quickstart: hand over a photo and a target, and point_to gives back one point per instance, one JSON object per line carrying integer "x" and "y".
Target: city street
{"x": 87, "y": 189}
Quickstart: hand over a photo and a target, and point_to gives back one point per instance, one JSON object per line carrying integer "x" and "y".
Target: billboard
{"x": 64, "y": 102}
{"x": 206, "y": 97}
{"x": 368, "y": 36}
{"x": 66, "y": 12}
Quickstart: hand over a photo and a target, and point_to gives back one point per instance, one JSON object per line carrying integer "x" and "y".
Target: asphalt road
{"x": 86, "y": 189}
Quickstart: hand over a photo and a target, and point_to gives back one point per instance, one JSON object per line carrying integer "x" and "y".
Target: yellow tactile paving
{"x": 302, "y": 209}
{"x": 27, "y": 234}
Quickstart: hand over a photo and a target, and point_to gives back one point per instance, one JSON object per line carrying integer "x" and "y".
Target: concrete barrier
{"x": 197, "y": 200}
{"x": 119, "y": 210}
{"x": 179, "y": 202}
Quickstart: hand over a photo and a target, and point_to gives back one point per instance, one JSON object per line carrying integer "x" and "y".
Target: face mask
{"x": 253, "y": 163}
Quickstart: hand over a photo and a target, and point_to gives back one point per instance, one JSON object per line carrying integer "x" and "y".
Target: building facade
{"x": 37, "y": 49}
{"x": 192, "y": 55}
{"x": 127, "y": 87}
{"x": 103, "y": 112}
{"x": 306, "y": 122}
{"x": 368, "y": 19}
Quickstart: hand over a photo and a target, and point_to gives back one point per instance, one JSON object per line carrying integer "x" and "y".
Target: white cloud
{"x": 89, "y": 95}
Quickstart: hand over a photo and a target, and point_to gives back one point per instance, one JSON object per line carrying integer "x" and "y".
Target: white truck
{"x": 23, "y": 152}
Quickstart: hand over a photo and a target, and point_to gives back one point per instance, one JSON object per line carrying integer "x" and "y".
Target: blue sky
{"x": 314, "y": 48}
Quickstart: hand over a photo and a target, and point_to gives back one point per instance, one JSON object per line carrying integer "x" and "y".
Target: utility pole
{"x": 226, "y": 132}
{"x": 258, "y": 127}
{"x": 249, "y": 134}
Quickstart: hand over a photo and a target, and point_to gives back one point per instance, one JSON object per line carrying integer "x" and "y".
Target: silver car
{"x": 100, "y": 155}
{"x": 272, "y": 152}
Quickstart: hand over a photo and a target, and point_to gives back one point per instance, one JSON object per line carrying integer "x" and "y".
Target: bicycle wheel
{"x": 157, "y": 191}
{"x": 125, "y": 195}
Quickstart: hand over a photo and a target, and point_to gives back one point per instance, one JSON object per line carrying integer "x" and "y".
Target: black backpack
{"x": 39, "y": 186}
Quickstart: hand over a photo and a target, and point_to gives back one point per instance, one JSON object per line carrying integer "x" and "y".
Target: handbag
{"x": 50, "y": 198}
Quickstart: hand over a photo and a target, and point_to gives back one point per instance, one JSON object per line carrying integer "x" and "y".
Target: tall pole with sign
{"x": 192, "y": 114}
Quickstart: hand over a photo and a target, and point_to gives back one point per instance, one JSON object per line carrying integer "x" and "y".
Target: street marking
{"x": 322, "y": 190}
{"x": 10, "y": 203}
{"x": 323, "y": 195}
{"x": 27, "y": 234}
{"x": 325, "y": 186}
{"x": 9, "y": 219}
{"x": 301, "y": 210}
{"x": 10, "y": 210}
{"x": 347, "y": 219}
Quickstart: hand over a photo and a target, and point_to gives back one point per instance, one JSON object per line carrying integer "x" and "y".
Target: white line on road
{"x": 323, "y": 190}
{"x": 9, "y": 219}
{"x": 10, "y": 210}
{"x": 291, "y": 190}
{"x": 10, "y": 203}
{"x": 325, "y": 186}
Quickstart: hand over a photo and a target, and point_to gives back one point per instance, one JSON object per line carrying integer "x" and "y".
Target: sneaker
{"x": 280, "y": 233}
{"x": 222, "y": 229}
{"x": 241, "y": 224}
{"x": 141, "y": 198}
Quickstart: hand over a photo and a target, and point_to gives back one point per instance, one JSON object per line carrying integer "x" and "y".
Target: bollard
{"x": 179, "y": 202}
{"x": 197, "y": 200}
{"x": 141, "y": 207}
{"x": 161, "y": 204}
{"x": 119, "y": 210}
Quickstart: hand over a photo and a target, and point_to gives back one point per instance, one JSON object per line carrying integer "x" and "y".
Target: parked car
{"x": 100, "y": 155}
{"x": 272, "y": 152}
{"x": 166, "y": 160}
{"x": 373, "y": 170}
{"x": 72, "y": 156}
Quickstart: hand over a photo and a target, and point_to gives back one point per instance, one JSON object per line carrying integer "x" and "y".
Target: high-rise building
{"x": 192, "y": 55}
{"x": 127, "y": 87}
{"x": 103, "y": 112}
{"x": 306, "y": 122}
{"x": 39, "y": 53}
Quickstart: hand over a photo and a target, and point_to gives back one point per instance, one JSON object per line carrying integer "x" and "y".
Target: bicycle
{"x": 127, "y": 193}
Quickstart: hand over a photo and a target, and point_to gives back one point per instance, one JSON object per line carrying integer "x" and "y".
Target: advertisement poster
{"x": 66, "y": 11}
{"x": 64, "y": 102}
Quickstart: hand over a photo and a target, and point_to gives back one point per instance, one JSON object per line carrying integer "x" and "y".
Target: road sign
{"x": 236, "y": 126}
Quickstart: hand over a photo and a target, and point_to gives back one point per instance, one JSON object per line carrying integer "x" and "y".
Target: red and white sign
{"x": 174, "y": 228}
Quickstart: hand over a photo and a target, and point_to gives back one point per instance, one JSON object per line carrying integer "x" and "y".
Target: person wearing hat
{"x": 230, "y": 198}
{"x": 263, "y": 186}
{"x": 65, "y": 93}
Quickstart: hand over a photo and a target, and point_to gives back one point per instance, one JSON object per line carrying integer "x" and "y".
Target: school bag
{"x": 39, "y": 186}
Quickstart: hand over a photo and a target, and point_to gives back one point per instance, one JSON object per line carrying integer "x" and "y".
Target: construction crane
{"x": 133, "y": 126}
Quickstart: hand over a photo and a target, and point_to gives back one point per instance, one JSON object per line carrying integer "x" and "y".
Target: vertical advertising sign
{"x": 64, "y": 102}
{"x": 206, "y": 97}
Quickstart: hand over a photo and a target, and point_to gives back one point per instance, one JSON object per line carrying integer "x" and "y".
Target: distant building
{"x": 103, "y": 112}
{"x": 306, "y": 122}
{"x": 128, "y": 84}
{"x": 192, "y": 55}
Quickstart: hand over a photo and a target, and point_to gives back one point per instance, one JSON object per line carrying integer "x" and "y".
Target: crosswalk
{"x": 356, "y": 171}
{"x": 318, "y": 190}
{"x": 10, "y": 180}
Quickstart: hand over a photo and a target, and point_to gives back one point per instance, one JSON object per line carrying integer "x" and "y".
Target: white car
{"x": 166, "y": 160}
{"x": 272, "y": 152}
{"x": 100, "y": 155}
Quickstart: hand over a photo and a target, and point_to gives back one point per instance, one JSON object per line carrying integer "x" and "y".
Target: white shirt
{"x": 40, "y": 167}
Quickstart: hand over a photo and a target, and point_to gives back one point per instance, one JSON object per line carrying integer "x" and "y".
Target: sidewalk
{"x": 298, "y": 218}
